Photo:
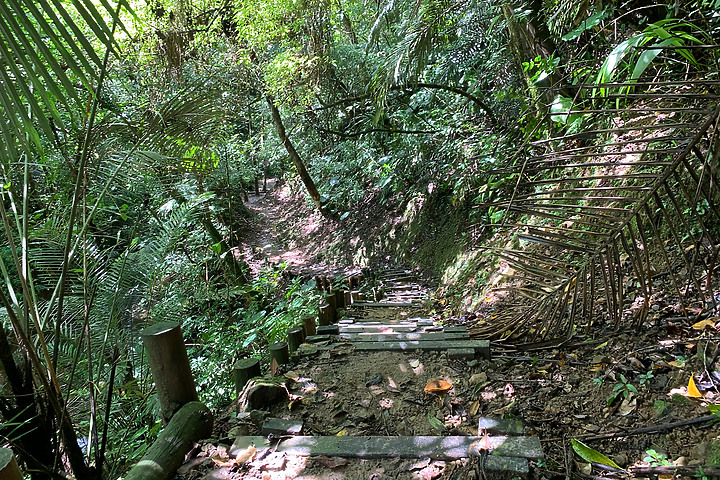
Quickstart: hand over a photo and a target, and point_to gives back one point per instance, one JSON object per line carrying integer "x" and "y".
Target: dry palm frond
{"x": 605, "y": 217}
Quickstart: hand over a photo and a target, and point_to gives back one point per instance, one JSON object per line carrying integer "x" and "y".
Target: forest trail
{"x": 389, "y": 389}
{"x": 385, "y": 391}
{"x": 282, "y": 232}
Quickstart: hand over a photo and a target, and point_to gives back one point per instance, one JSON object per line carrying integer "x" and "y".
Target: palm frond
{"x": 604, "y": 219}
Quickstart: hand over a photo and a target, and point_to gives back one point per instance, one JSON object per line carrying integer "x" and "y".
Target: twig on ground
{"x": 640, "y": 431}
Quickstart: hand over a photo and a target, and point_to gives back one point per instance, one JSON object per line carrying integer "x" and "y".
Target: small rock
{"x": 473, "y": 363}
{"x": 257, "y": 416}
{"x": 478, "y": 378}
{"x": 374, "y": 380}
{"x": 621, "y": 459}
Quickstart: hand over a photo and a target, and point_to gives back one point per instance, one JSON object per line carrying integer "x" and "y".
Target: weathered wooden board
{"x": 481, "y": 347}
{"x": 384, "y": 337}
{"x": 435, "y": 447}
{"x": 363, "y": 304}
{"x": 379, "y": 328}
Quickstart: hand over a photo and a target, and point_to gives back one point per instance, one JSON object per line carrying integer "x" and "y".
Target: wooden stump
{"x": 324, "y": 315}
{"x": 309, "y": 325}
{"x": 348, "y": 298}
{"x": 331, "y": 299}
{"x": 339, "y": 299}
{"x": 243, "y": 371}
{"x": 191, "y": 423}
{"x": 9, "y": 469}
{"x": 170, "y": 367}
{"x": 296, "y": 336}
{"x": 279, "y": 352}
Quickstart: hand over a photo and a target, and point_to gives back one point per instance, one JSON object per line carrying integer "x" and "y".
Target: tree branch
{"x": 414, "y": 86}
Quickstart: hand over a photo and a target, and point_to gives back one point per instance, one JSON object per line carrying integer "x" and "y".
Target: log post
{"x": 193, "y": 422}
{"x": 243, "y": 371}
{"x": 279, "y": 352}
{"x": 170, "y": 367}
{"x": 9, "y": 469}
{"x": 331, "y": 300}
{"x": 348, "y": 298}
{"x": 324, "y": 315}
{"x": 295, "y": 338}
{"x": 339, "y": 299}
{"x": 309, "y": 325}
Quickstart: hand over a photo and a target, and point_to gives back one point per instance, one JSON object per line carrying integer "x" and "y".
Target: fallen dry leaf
{"x": 692, "y": 390}
{"x": 703, "y": 324}
{"x": 474, "y": 407}
{"x": 438, "y": 386}
{"x": 292, "y": 376}
{"x": 246, "y": 455}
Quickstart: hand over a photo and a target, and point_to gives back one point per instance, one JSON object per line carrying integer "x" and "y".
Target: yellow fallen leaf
{"x": 342, "y": 433}
{"x": 703, "y": 324}
{"x": 246, "y": 455}
{"x": 602, "y": 345}
{"x": 692, "y": 389}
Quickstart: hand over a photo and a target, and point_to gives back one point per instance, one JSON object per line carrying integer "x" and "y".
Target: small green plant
{"x": 655, "y": 458}
{"x": 662, "y": 408}
{"x": 645, "y": 378}
{"x": 700, "y": 473}
{"x": 599, "y": 381}
{"x": 622, "y": 389}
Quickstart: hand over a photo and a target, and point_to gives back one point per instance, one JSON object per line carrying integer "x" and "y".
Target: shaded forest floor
{"x": 623, "y": 394}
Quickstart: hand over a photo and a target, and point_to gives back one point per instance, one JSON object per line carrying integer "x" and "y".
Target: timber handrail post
{"x": 170, "y": 367}
{"x": 9, "y": 469}
{"x": 243, "y": 371}
{"x": 309, "y": 325}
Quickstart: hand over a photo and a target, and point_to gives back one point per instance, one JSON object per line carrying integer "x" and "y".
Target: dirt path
{"x": 287, "y": 231}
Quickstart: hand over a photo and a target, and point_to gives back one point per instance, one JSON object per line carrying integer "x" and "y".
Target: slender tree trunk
{"x": 294, "y": 156}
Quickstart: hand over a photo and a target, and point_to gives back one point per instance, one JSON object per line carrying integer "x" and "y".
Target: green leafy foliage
{"x": 590, "y": 455}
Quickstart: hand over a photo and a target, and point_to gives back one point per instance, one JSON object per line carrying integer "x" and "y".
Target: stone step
{"x": 481, "y": 347}
{"x": 383, "y": 337}
{"x": 434, "y": 447}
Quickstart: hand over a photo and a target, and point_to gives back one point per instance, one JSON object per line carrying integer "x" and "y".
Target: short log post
{"x": 295, "y": 337}
{"x": 279, "y": 352}
{"x": 243, "y": 371}
{"x": 355, "y": 295}
{"x": 170, "y": 367}
{"x": 193, "y": 422}
{"x": 348, "y": 298}
{"x": 309, "y": 325}
{"x": 339, "y": 299}
{"x": 331, "y": 300}
{"x": 9, "y": 469}
{"x": 324, "y": 314}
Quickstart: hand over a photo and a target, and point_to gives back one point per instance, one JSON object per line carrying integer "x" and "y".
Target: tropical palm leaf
{"x": 606, "y": 218}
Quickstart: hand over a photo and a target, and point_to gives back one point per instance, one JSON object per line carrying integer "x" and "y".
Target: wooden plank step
{"x": 437, "y": 448}
{"x": 481, "y": 347}
{"x": 379, "y": 328}
{"x": 384, "y": 337}
{"x": 382, "y": 304}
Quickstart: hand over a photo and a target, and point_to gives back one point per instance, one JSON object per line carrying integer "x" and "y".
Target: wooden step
{"x": 436, "y": 448}
{"x": 364, "y": 304}
{"x": 481, "y": 347}
{"x": 383, "y": 337}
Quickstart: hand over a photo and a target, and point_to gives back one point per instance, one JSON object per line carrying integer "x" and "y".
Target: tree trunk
{"x": 294, "y": 156}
